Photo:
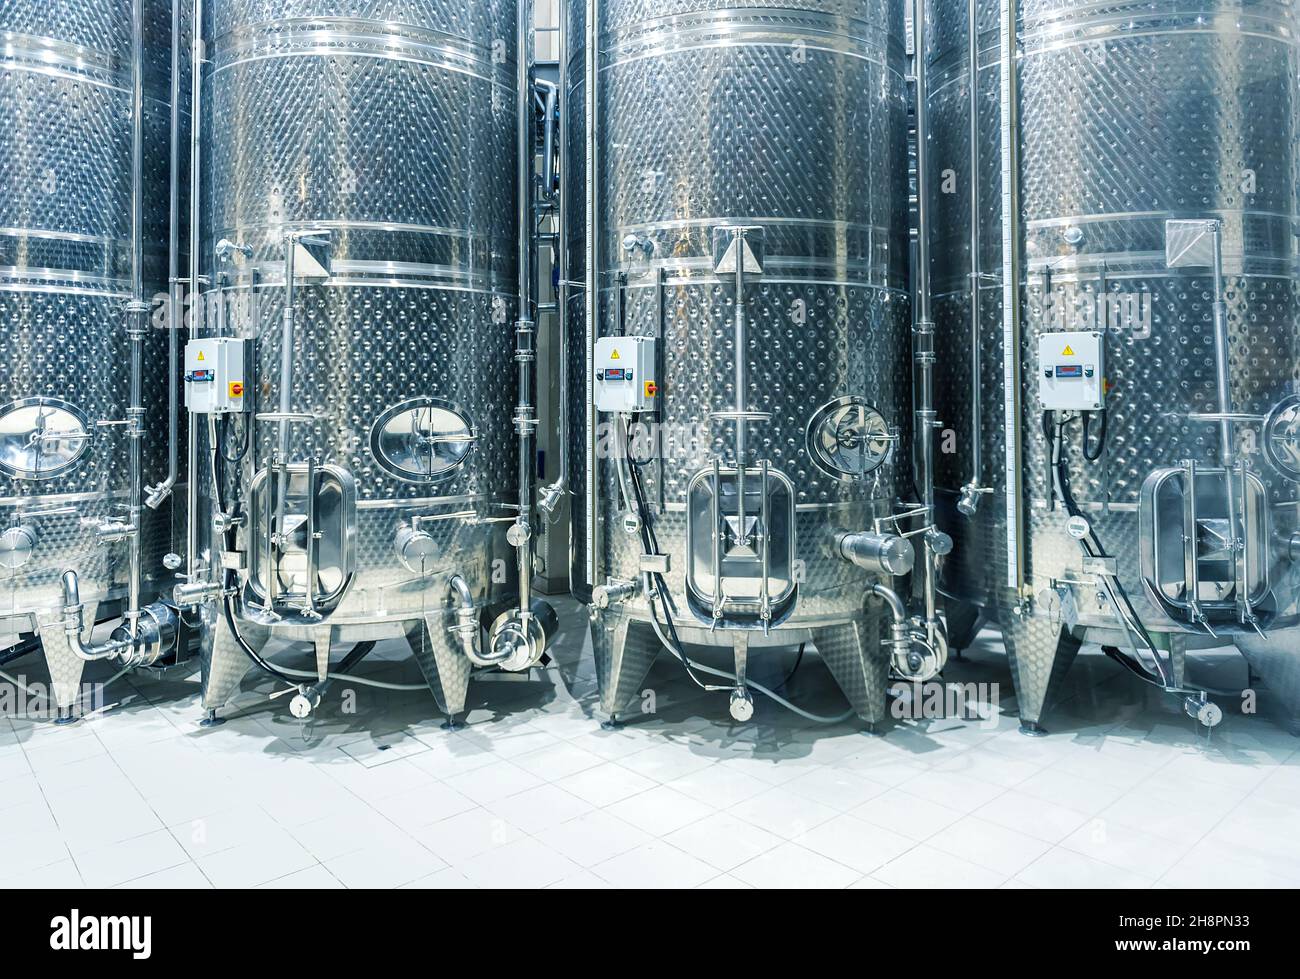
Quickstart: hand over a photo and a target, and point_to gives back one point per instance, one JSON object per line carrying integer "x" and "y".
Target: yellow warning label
{"x": 615, "y": 356}
{"x": 201, "y": 357}
{"x": 1069, "y": 352}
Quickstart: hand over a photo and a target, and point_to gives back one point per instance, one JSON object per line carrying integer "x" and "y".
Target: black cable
{"x": 358, "y": 652}
{"x": 1092, "y": 546}
{"x": 228, "y": 604}
{"x": 20, "y": 650}
{"x": 1101, "y": 435}
{"x": 659, "y": 591}
{"x": 238, "y": 457}
{"x": 798, "y": 661}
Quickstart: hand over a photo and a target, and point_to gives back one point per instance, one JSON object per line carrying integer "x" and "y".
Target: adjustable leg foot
{"x": 611, "y": 723}
{"x": 65, "y": 716}
{"x": 1032, "y": 729}
{"x": 210, "y": 719}
{"x": 451, "y": 725}
{"x": 873, "y": 730}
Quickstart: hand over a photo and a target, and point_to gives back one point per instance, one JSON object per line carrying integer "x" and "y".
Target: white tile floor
{"x": 534, "y": 794}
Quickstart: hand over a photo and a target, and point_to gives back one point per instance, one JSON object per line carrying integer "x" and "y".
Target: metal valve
{"x": 1203, "y": 711}
{"x": 305, "y": 702}
{"x": 742, "y": 705}
{"x": 612, "y": 593}
{"x": 878, "y": 553}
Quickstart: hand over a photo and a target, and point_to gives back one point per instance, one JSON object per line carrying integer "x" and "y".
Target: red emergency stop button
{"x": 236, "y": 389}
{"x": 651, "y": 389}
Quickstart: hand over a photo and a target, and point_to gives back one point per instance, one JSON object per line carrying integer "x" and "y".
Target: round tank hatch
{"x": 422, "y": 441}
{"x": 849, "y": 439}
{"x": 41, "y": 438}
{"x": 1282, "y": 438}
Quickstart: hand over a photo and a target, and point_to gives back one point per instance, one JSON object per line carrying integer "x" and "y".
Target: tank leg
{"x": 964, "y": 621}
{"x": 446, "y": 669}
{"x": 65, "y": 666}
{"x": 857, "y": 660}
{"x": 322, "y": 641}
{"x": 1173, "y": 650}
{"x": 1040, "y": 653}
{"x": 1277, "y": 660}
{"x": 624, "y": 652}
{"x": 222, "y": 664}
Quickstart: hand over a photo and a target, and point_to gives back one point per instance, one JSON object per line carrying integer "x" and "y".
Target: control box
{"x": 217, "y": 372}
{"x": 1072, "y": 371}
{"x": 626, "y": 379}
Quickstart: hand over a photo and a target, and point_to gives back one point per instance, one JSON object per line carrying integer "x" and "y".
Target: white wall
{"x": 548, "y": 23}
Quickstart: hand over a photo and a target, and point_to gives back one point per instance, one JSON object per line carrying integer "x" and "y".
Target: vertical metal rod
{"x": 548, "y": 146}
{"x": 742, "y": 386}
{"x": 716, "y": 514}
{"x": 977, "y": 367}
{"x": 1191, "y": 566}
{"x": 275, "y": 536}
{"x": 592, "y": 312}
{"x": 765, "y": 599}
{"x": 526, "y": 326}
{"x": 137, "y": 323}
{"x": 1227, "y": 429}
{"x": 923, "y": 331}
{"x": 1011, "y": 271}
{"x": 192, "y": 433}
{"x": 562, "y": 251}
{"x": 157, "y": 495}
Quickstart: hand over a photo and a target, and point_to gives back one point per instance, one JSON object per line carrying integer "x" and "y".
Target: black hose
{"x": 659, "y": 591}
{"x": 358, "y": 652}
{"x": 228, "y": 604}
{"x": 1101, "y": 434}
{"x": 22, "y": 649}
{"x": 798, "y": 661}
{"x": 1092, "y": 547}
{"x": 238, "y": 457}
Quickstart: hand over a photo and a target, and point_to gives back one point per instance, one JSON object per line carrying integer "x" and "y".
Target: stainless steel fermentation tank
{"x": 86, "y": 110}
{"x": 362, "y": 342}
{"x": 737, "y": 294}
{"x": 1151, "y": 200}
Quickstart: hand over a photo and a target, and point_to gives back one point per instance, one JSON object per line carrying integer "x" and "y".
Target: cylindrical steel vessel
{"x": 364, "y": 156}
{"x": 1123, "y": 117}
{"x": 749, "y": 202}
{"x": 68, "y": 268}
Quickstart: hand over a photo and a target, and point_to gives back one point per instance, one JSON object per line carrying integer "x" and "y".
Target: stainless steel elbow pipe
{"x": 467, "y": 630}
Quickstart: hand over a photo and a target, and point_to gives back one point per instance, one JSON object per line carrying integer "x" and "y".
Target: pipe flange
{"x": 742, "y": 706}
{"x": 517, "y": 643}
{"x": 155, "y": 636}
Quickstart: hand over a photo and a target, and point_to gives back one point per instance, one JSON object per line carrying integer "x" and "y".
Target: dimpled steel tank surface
{"x": 358, "y": 248}
{"x": 78, "y": 265}
{"x": 749, "y": 204}
{"x": 1131, "y": 479}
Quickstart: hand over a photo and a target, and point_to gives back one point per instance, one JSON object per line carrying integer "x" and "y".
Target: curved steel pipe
{"x": 467, "y": 627}
{"x": 73, "y": 625}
